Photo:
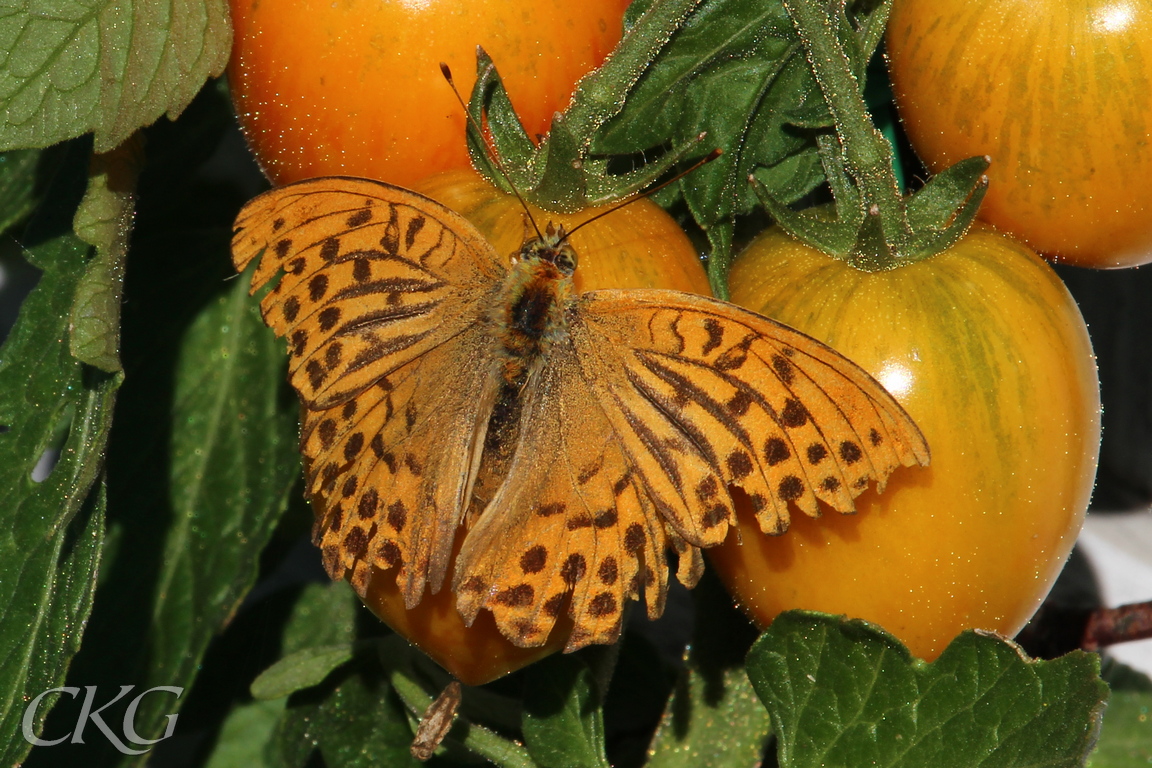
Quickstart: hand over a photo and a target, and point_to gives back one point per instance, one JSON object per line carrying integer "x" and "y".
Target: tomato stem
{"x": 876, "y": 228}
{"x": 866, "y": 153}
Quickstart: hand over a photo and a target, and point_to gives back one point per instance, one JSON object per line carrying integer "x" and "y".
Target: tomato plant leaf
{"x": 563, "y": 722}
{"x": 847, "y": 693}
{"x": 245, "y": 735}
{"x": 103, "y": 66}
{"x": 17, "y": 185}
{"x": 1126, "y": 736}
{"x": 714, "y": 716}
{"x": 302, "y": 669}
{"x": 54, "y": 586}
{"x": 320, "y": 615}
{"x": 229, "y": 463}
{"x": 54, "y": 421}
{"x": 510, "y": 141}
{"x": 559, "y": 174}
{"x": 324, "y": 614}
{"x": 735, "y": 70}
{"x": 354, "y": 720}
{"x": 203, "y": 454}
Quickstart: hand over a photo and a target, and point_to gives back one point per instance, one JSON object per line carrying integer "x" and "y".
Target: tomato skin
{"x": 639, "y": 246}
{"x": 986, "y": 350}
{"x": 1058, "y": 93}
{"x": 326, "y": 88}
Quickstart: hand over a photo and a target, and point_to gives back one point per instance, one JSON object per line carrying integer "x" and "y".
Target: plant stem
{"x": 1108, "y": 626}
{"x": 600, "y": 95}
{"x": 867, "y": 154}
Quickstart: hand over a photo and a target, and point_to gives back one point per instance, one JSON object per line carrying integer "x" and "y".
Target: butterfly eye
{"x": 565, "y": 259}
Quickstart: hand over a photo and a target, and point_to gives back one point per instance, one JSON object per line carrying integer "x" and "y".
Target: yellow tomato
{"x": 986, "y": 350}
{"x": 639, "y": 246}
{"x": 325, "y": 88}
{"x": 1058, "y": 93}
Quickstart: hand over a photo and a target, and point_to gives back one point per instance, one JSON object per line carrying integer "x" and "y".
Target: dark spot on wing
{"x": 517, "y": 596}
{"x": 776, "y": 451}
{"x": 534, "y": 559}
{"x": 366, "y": 508}
{"x": 794, "y": 413}
{"x": 791, "y": 488}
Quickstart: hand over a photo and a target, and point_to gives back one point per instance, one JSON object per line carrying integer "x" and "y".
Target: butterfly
{"x": 574, "y": 437}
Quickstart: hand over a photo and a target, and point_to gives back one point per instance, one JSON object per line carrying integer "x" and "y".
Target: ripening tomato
{"x": 326, "y": 88}
{"x": 639, "y": 246}
{"x": 986, "y": 350}
{"x": 1058, "y": 94}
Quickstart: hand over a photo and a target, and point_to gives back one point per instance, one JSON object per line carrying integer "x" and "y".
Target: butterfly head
{"x": 551, "y": 247}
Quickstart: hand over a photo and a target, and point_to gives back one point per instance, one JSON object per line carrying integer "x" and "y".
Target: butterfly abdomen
{"x": 530, "y": 316}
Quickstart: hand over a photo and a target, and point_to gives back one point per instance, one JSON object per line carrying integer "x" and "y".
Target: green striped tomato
{"x": 985, "y": 348}
{"x": 1058, "y": 93}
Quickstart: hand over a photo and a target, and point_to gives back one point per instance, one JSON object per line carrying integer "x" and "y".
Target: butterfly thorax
{"x": 529, "y": 318}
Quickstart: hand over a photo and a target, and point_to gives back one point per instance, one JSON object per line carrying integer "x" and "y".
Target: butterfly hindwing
{"x": 571, "y": 530}
{"x": 394, "y": 465}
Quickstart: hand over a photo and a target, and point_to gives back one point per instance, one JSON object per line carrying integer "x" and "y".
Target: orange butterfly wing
{"x": 636, "y": 425}
{"x": 383, "y": 295}
{"x": 571, "y": 528}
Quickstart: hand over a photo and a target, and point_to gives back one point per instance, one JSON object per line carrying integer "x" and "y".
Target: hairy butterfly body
{"x": 574, "y": 437}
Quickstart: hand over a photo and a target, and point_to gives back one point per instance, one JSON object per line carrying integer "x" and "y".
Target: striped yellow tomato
{"x": 1058, "y": 93}
{"x": 986, "y": 350}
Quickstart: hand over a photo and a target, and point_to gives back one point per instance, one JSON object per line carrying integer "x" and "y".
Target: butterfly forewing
{"x": 371, "y": 276}
{"x": 690, "y": 381}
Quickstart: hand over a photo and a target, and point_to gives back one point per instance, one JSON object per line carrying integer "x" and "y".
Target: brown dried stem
{"x": 1108, "y": 626}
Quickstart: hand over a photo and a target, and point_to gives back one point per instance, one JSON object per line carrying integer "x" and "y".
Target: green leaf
{"x": 200, "y": 467}
{"x": 559, "y": 174}
{"x": 511, "y": 143}
{"x": 735, "y": 70}
{"x": 1126, "y": 738}
{"x": 563, "y": 724}
{"x": 320, "y": 615}
{"x": 300, "y": 670}
{"x": 53, "y": 523}
{"x": 413, "y": 676}
{"x": 230, "y": 463}
{"x": 354, "y": 721}
{"x": 324, "y": 614}
{"x": 55, "y": 590}
{"x": 98, "y": 65}
{"x": 245, "y": 736}
{"x": 17, "y": 185}
{"x": 847, "y": 693}
{"x": 714, "y": 717}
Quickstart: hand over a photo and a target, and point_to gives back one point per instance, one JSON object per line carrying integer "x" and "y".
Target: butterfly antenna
{"x": 702, "y": 161}
{"x": 491, "y": 151}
